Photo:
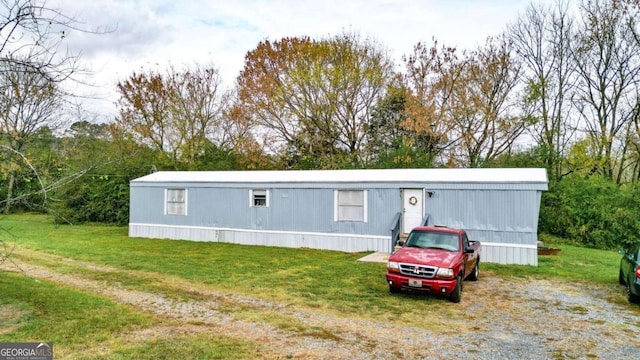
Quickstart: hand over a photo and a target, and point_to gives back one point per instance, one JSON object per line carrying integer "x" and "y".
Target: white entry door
{"x": 413, "y": 208}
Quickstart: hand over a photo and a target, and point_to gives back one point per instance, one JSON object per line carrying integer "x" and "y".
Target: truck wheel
{"x": 476, "y": 271}
{"x": 621, "y": 278}
{"x": 632, "y": 298}
{"x": 393, "y": 289}
{"x": 457, "y": 292}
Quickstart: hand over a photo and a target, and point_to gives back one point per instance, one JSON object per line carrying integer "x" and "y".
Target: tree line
{"x": 558, "y": 89}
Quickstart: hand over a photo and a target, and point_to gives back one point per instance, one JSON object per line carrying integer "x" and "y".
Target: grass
{"x": 313, "y": 278}
{"x": 50, "y": 309}
{"x": 82, "y": 325}
{"x": 572, "y": 263}
{"x": 62, "y": 315}
{"x": 184, "y": 347}
{"x": 326, "y": 281}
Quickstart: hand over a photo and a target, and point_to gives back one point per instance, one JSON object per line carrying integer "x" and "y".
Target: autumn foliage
{"x": 311, "y": 99}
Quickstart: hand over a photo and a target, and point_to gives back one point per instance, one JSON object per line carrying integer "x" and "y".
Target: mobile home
{"x": 344, "y": 210}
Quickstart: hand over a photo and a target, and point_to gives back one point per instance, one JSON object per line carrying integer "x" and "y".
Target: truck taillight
{"x": 638, "y": 271}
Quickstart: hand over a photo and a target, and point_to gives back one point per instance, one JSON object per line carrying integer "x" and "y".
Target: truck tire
{"x": 621, "y": 278}
{"x": 475, "y": 272}
{"x": 632, "y": 298}
{"x": 456, "y": 295}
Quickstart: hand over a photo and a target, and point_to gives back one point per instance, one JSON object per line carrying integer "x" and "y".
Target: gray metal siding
{"x": 503, "y": 216}
{"x": 492, "y": 215}
{"x": 146, "y": 205}
{"x": 310, "y": 210}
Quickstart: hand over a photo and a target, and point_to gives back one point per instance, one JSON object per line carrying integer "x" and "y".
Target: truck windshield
{"x": 433, "y": 240}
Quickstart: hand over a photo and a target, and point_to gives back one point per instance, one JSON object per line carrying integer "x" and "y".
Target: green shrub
{"x": 591, "y": 211}
{"x": 95, "y": 198}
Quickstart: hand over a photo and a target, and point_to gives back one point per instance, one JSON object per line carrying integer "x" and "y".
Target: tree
{"x": 389, "y": 144}
{"x": 249, "y": 151}
{"x": 541, "y": 40}
{"x": 633, "y": 155}
{"x": 32, "y": 67}
{"x": 431, "y": 74}
{"x": 85, "y": 129}
{"x": 179, "y": 113}
{"x": 608, "y": 64}
{"x": 83, "y": 145}
{"x": 31, "y": 34}
{"x": 200, "y": 110}
{"x": 463, "y": 103}
{"x": 100, "y": 164}
{"x": 30, "y": 102}
{"x": 145, "y": 111}
{"x": 312, "y": 98}
{"x": 631, "y": 159}
{"x": 482, "y": 110}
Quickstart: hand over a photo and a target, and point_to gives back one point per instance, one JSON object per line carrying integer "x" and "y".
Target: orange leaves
{"x": 313, "y": 97}
{"x": 267, "y": 66}
{"x": 461, "y": 100}
{"x": 179, "y": 113}
{"x": 430, "y": 79}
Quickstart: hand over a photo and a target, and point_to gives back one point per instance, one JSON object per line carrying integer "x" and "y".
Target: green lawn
{"x": 62, "y": 315}
{"x": 83, "y": 326}
{"x": 306, "y": 276}
{"x": 571, "y": 263}
{"x": 326, "y": 281}
{"x": 299, "y": 276}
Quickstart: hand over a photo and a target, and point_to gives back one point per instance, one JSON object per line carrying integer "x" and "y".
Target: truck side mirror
{"x": 400, "y": 243}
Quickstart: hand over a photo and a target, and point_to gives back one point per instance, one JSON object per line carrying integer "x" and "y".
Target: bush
{"x": 593, "y": 212}
{"x": 95, "y": 198}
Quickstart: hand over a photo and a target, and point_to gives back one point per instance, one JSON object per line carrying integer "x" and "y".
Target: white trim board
{"x": 509, "y": 245}
{"x": 381, "y": 237}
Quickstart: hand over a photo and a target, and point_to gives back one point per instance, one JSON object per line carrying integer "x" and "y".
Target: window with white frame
{"x": 259, "y": 198}
{"x": 350, "y": 205}
{"x": 175, "y": 202}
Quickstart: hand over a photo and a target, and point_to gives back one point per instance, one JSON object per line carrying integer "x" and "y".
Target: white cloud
{"x": 154, "y": 34}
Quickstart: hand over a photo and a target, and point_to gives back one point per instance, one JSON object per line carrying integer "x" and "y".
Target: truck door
{"x": 469, "y": 259}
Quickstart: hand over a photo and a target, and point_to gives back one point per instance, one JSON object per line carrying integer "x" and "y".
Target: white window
{"x": 350, "y": 205}
{"x": 258, "y": 198}
{"x": 175, "y": 202}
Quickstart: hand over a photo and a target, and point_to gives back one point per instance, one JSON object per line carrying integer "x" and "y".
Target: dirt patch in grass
{"x": 10, "y": 316}
{"x": 139, "y": 337}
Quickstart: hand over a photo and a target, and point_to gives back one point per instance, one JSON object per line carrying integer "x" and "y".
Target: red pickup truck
{"x": 435, "y": 260}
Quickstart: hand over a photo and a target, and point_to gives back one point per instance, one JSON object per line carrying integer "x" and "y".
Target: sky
{"x": 153, "y": 34}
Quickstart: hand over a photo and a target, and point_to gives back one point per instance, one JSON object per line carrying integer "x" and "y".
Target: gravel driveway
{"x": 502, "y": 319}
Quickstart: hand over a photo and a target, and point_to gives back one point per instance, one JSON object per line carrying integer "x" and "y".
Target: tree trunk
{"x": 9, "y": 199}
